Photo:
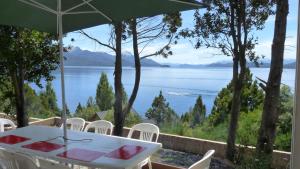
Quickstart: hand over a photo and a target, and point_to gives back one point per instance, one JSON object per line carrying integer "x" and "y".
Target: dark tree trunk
{"x": 239, "y": 61}
{"x": 137, "y": 68}
{"x": 237, "y": 82}
{"x": 267, "y": 131}
{"x": 18, "y": 84}
{"x": 118, "y": 113}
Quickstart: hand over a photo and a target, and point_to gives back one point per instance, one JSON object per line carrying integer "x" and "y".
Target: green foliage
{"x": 199, "y": 111}
{"x": 252, "y": 98}
{"x": 251, "y": 160}
{"x": 195, "y": 116}
{"x": 131, "y": 119}
{"x": 40, "y": 105}
{"x": 160, "y": 111}
{"x": 31, "y": 52}
{"x": 79, "y": 108}
{"x": 91, "y": 102}
{"x": 25, "y": 55}
{"x": 48, "y": 99}
{"x": 87, "y": 112}
{"x": 248, "y": 128}
{"x": 104, "y": 95}
{"x": 284, "y": 125}
{"x": 218, "y": 27}
{"x": 6, "y": 98}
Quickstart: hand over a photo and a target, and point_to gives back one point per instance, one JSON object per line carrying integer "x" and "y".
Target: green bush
{"x": 131, "y": 119}
{"x": 251, "y": 99}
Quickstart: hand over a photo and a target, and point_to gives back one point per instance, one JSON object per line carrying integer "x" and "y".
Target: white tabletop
{"x": 95, "y": 142}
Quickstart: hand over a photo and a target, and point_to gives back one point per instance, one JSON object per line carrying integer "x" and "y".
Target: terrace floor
{"x": 184, "y": 160}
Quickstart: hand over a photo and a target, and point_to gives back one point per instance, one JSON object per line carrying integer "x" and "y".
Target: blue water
{"x": 179, "y": 86}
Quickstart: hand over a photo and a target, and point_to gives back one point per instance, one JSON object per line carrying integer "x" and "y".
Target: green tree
{"x": 199, "y": 112}
{"x": 6, "y": 97}
{"x": 79, "y": 109}
{"x": 267, "y": 132}
{"x": 284, "y": 124}
{"x": 86, "y": 112}
{"x": 148, "y": 32}
{"x": 131, "y": 119}
{"x": 228, "y": 25}
{"x": 160, "y": 111}
{"x": 251, "y": 98}
{"x": 33, "y": 104}
{"x": 104, "y": 95}
{"x": 49, "y": 100}
{"x": 196, "y": 115}
{"x": 91, "y": 102}
{"x": 25, "y": 55}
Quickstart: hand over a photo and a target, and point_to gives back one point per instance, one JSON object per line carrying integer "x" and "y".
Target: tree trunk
{"x": 118, "y": 113}
{"x": 137, "y": 68}
{"x": 267, "y": 131}
{"x": 237, "y": 82}
{"x": 18, "y": 84}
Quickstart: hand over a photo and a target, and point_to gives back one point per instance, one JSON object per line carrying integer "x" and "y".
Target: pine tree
{"x": 160, "y": 111}
{"x": 104, "y": 95}
{"x": 199, "y": 112}
{"x": 48, "y": 98}
{"x": 78, "y": 109}
{"x": 90, "y": 102}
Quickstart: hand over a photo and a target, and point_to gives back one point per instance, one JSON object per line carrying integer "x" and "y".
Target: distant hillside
{"x": 78, "y": 57}
{"x": 289, "y": 65}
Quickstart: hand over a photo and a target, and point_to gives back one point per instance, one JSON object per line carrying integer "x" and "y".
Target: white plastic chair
{"x": 204, "y": 163}
{"x": 100, "y": 126}
{"x": 25, "y": 162}
{"x": 101, "y": 114}
{"x": 4, "y": 122}
{"x": 76, "y": 124}
{"x": 17, "y": 161}
{"x": 7, "y": 160}
{"x": 147, "y": 131}
{"x": 46, "y": 164}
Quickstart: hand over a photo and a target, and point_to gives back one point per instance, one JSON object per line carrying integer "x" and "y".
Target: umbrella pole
{"x": 60, "y": 37}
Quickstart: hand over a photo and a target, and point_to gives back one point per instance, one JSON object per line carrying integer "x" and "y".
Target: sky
{"x": 184, "y": 52}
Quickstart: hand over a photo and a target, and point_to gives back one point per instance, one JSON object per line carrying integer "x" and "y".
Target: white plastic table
{"x": 112, "y": 156}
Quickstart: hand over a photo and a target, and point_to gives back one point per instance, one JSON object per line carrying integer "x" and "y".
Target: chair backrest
{"x": 4, "y": 122}
{"x": 147, "y": 131}
{"x": 100, "y": 127}
{"x": 46, "y": 164}
{"x": 76, "y": 124}
{"x": 204, "y": 163}
{"x": 7, "y": 159}
{"x": 101, "y": 114}
{"x": 25, "y": 162}
{"x": 17, "y": 161}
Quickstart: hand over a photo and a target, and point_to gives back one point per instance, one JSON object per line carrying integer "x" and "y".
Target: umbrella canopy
{"x": 79, "y": 14}
{"x": 62, "y": 16}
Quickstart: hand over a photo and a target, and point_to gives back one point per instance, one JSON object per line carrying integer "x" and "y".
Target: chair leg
{"x": 149, "y": 164}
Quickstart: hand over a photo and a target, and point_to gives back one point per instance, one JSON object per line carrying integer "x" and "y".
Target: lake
{"x": 180, "y": 86}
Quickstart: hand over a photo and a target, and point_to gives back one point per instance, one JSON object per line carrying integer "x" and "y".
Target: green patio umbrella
{"x": 63, "y": 16}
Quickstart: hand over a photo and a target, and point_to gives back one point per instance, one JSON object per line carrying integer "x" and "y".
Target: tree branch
{"x": 96, "y": 40}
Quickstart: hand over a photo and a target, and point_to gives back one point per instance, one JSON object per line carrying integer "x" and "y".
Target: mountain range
{"x": 288, "y": 64}
{"x": 79, "y": 57}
